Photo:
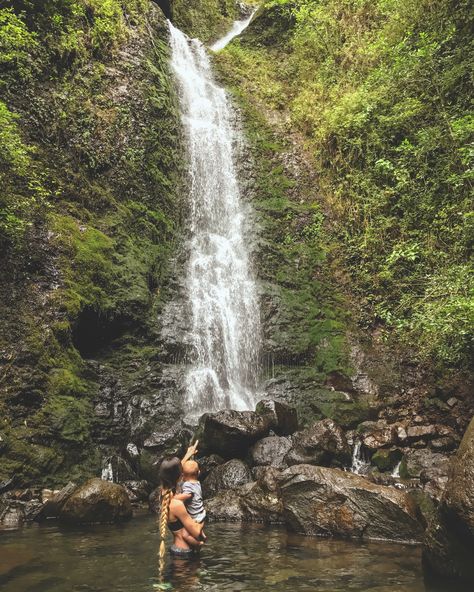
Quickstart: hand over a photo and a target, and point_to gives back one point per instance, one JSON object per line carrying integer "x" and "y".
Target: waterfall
{"x": 221, "y": 289}
{"x": 236, "y": 29}
{"x": 360, "y": 464}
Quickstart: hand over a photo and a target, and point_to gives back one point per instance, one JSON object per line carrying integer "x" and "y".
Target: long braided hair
{"x": 170, "y": 472}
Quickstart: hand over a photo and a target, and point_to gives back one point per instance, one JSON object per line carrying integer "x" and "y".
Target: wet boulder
{"x": 97, "y": 501}
{"x": 256, "y": 501}
{"x": 138, "y": 490}
{"x": 449, "y": 540}
{"x": 230, "y": 475}
{"x": 12, "y": 513}
{"x": 324, "y": 443}
{"x": 377, "y": 434}
{"x": 270, "y": 451}
{"x": 324, "y": 501}
{"x": 231, "y": 433}
{"x": 283, "y": 418}
{"x": 208, "y": 463}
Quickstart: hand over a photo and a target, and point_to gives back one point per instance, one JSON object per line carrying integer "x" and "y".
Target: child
{"x": 191, "y": 492}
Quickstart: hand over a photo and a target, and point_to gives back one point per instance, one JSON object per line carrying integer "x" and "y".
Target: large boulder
{"x": 271, "y": 451}
{"x": 324, "y": 443}
{"x": 97, "y": 501}
{"x": 231, "y": 433}
{"x": 449, "y": 543}
{"x": 230, "y": 475}
{"x": 257, "y": 501}
{"x": 283, "y": 418}
{"x": 324, "y": 501}
{"x": 208, "y": 463}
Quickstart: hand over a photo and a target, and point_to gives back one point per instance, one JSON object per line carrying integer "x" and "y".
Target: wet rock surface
{"x": 230, "y": 475}
{"x": 231, "y": 433}
{"x": 283, "y": 418}
{"x": 271, "y": 451}
{"x": 325, "y": 501}
{"x": 97, "y": 501}
{"x": 449, "y": 543}
{"x": 324, "y": 443}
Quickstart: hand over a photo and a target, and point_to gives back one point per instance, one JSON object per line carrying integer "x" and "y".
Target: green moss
{"x": 385, "y": 459}
{"x": 205, "y": 19}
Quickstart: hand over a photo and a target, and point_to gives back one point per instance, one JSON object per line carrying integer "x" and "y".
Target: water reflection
{"x": 248, "y": 558}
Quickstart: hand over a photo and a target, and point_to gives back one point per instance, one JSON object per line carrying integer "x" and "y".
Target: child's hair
{"x": 170, "y": 472}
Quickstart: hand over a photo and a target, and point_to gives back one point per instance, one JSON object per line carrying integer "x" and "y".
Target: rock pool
{"x": 243, "y": 558}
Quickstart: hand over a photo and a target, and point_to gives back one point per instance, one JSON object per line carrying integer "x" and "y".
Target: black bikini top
{"x": 175, "y": 525}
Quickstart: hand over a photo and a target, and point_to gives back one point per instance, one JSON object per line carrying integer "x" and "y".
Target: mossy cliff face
{"x": 320, "y": 323}
{"x": 91, "y": 164}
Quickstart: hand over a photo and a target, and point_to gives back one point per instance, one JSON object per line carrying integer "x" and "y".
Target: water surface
{"x": 243, "y": 558}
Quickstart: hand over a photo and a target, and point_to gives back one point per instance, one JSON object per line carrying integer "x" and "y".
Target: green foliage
{"x": 380, "y": 90}
{"x": 205, "y": 19}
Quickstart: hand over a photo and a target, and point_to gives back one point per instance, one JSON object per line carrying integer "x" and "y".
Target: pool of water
{"x": 237, "y": 558}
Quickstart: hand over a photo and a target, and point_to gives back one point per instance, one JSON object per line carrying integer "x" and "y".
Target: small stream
{"x": 244, "y": 558}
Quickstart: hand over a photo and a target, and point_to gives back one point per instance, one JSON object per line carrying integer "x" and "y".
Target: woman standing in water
{"x": 173, "y": 514}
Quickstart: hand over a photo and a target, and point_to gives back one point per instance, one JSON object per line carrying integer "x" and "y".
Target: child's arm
{"x": 190, "y": 540}
{"x": 184, "y": 497}
{"x": 191, "y": 451}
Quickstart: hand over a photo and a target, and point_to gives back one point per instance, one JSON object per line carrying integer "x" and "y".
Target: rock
{"x": 377, "y": 434}
{"x": 117, "y": 469}
{"x": 451, "y": 402}
{"x": 138, "y": 491}
{"x": 12, "y": 513}
{"x": 54, "y": 501}
{"x": 386, "y": 459}
{"x": 231, "y": 433}
{"x": 284, "y": 420}
{"x": 324, "y": 501}
{"x": 271, "y": 451}
{"x": 449, "y": 541}
{"x": 324, "y": 443}
{"x": 97, "y": 501}
{"x": 227, "y": 476}
{"x": 257, "y": 501}
{"x": 401, "y": 434}
{"x": 339, "y": 382}
{"x": 208, "y": 463}
{"x": 171, "y": 441}
{"x": 7, "y": 484}
{"x": 424, "y": 460}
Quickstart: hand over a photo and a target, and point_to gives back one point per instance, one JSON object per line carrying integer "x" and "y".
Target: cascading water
{"x": 225, "y": 328}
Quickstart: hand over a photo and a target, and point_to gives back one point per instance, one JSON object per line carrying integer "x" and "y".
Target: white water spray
{"x": 221, "y": 290}
{"x": 236, "y": 29}
{"x": 360, "y": 464}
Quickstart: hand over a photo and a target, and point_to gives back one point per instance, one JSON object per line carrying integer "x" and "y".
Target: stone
{"x": 401, "y": 434}
{"x": 284, "y": 420}
{"x": 386, "y": 459}
{"x": 271, "y": 451}
{"x": 339, "y": 382}
{"x": 54, "y": 501}
{"x": 97, "y": 501}
{"x": 257, "y": 501}
{"x": 324, "y": 443}
{"x": 171, "y": 440}
{"x": 12, "y": 514}
{"x": 207, "y": 464}
{"x": 324, "y": 501}
{"x": 230, "y": 475}
{"x": 138, "y": 491}
{"x": 452, "y": 401}
{"x": 424, "y": 459}
{"x": 377, "y": 434}
{"x": 449, "y": 542}
{"x": 231, "y": 433}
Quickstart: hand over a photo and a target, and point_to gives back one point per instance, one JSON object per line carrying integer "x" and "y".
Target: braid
{"x": 166, "y": 496}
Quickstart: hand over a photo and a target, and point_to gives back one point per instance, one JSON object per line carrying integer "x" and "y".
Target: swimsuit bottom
{"x": 182, "y": 553}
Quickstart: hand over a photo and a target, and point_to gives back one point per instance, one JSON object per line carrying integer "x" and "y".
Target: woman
{"x": 186, "y": 531}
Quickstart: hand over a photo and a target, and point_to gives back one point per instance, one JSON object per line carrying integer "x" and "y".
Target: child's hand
{"x": 192, "y": 450}
{"x": 184, "y": 497}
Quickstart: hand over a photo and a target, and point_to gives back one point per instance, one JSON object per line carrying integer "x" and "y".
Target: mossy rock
{"x": 386, "y": 459}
